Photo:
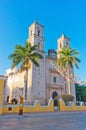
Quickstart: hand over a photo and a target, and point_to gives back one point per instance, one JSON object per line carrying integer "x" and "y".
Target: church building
{"x": 45, "y": 81}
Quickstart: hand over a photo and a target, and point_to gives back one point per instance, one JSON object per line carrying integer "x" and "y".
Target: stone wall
{"x": 73, "y": 107}
{"x": 34, "y": 108}
{"x": 1, "y": 94}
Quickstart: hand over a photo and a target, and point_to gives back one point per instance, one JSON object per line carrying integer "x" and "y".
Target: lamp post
{"x": 21, "y": 102}
{"x": 21, "y": 106}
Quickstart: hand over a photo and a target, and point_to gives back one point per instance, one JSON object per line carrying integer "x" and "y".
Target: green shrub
{"x": 66, "y": 98}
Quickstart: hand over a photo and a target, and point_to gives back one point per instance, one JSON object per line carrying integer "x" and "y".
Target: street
{"x": 44, "y": 121}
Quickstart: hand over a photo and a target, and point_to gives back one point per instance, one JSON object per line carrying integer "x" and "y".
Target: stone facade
{"x": 43, "y": 81}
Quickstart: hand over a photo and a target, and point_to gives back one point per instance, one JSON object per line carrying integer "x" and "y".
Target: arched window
{"x": 66, "y": 43}
{"x": 54, "y": 79}
{"x": 7, "y": 99}
{"x": 38, "y": 45}
{"x": 38, "y": 32}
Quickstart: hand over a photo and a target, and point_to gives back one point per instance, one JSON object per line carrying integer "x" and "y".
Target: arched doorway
{"x": 55, "y": 98}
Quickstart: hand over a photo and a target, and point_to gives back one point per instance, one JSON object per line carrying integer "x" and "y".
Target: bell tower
{"x": 36, "y": 78}
{"x": 63, "y": 41}
{"x": 36, "y": 35}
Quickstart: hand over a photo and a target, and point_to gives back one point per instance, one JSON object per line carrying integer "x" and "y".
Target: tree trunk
{"x": 26, "y": 83}
{"x": 64, "y": 81}
{"x": 69, "y": 85}
{"x": 10, "y": 97}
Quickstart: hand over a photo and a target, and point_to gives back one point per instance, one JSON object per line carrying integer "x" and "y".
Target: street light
{"x": 21, "y": 101}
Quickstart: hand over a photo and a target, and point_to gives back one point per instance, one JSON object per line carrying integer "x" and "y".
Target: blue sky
{"x": 57, "y": 16}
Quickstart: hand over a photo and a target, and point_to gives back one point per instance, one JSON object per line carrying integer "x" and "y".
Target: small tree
{"x": 66, "y": 98}
{"x": 80, "y": 92}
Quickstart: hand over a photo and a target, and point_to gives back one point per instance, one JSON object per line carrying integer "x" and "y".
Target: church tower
{"x": 36, "y": 35}
{"x": 36, "y": 78}
{"x": 63, "y": 41}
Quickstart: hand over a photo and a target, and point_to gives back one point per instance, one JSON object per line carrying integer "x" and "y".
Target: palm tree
{"x": 23, "y": 56}
{"x": 68, "y": 59}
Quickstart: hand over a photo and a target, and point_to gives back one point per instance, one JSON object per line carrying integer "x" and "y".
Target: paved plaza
{"x": 44, "y": 121}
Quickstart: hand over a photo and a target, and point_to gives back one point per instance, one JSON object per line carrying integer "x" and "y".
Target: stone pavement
{"x": 44, "y": 121}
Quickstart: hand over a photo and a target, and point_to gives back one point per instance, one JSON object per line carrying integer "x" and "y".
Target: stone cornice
{"x": 53, "y": 71}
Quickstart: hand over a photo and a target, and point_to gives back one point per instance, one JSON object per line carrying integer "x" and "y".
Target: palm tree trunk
{"x": 69, "y": 85}
{"x": 65, "y": 85}
{"x": 26, "y": 83}
{"x": 10, "y": 97}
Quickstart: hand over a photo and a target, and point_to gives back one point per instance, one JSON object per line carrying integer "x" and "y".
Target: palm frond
{"x": 23, "y": 54}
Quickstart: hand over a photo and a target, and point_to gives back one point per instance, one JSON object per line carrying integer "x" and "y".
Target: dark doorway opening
{"x": 55, "y": 98}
